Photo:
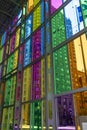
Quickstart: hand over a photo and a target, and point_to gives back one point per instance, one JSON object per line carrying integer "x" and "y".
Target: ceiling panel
{"x": 8, "y": 9}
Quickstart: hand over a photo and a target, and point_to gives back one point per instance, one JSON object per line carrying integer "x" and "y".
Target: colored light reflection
{"x": 67, "y": 128}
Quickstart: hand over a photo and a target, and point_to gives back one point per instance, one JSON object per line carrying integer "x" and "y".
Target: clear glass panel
{"x": 73, "y": 18}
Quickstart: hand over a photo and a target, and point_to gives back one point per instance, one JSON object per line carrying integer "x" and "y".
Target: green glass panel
{"x": 35, "y": 122}
{"x": 10, "y": 63}
{"x": 58, "y": 28}
{"x": 4, "y": 119}
{"x": 61, "y": 70}
{"x": 22, "y": 33}
{"x": 1, "y": 55}
{"x": 7, "y": 120}
{"x": 10, "y": 91}
{"x": 84, "y": 10}
{"x": 7, "y": 92}
{"x": 4, "y": 68}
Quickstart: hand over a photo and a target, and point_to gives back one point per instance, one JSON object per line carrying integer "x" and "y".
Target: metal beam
{"x": 5, "y": 13}
{"x": 14, "y": 2}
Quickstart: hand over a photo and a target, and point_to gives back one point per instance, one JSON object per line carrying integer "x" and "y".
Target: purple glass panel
{"x": 36, "y": 45}
{"x": 14, "y": 23}
{"x": 17, "y": 111}
{"x": 65, "y": 111}
{"x": 36, "y": 81}
{"x": 0, "y": 71}
{"x": 4, "y": 52}
{"x": 55, "y": 4}
{"x": 12, "y": 44}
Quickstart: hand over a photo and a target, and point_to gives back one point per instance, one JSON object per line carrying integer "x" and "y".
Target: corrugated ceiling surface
{"x": 8, "y": 9}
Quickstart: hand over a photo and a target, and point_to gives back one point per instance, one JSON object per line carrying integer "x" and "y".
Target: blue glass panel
{"x": 42, "y": 41}
{"x": 28, "y": 26}
{"x": 27, "y": 52}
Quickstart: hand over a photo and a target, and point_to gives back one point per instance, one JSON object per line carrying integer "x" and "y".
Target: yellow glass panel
{"x": 50, "y": 109}
{"x": 15, "y": 59}
{"x": 37, "y": 18}
{"x": 26, "y": 84}
{"x": 17, "y": 38}
{"x": 80, "y": 104}
{"x": 7, "y": 119}
{"x": 49, "y": 73}
{"x": 43, "y": 77}
{"x": 25, "y": 116}
{"x": 30, "y": 5}
{"x": 77, "y": 50}
{"x": 43, "y": 115}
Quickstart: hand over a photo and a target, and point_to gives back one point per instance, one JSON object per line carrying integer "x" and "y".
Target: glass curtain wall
{"x": 43, "y": 67}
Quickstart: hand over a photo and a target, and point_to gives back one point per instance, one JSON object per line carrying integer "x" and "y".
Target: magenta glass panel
{"x": 36, "y": 47}
{"x": 4, "y": 52}
{"x": 36, "y": 81}
{"x": 65, "y": 112}
{"x": 55, "y": 4}
{"x": 0, "y": 71}
{"x": 18, "y": 88}
{"x": 12, "y": 43}
{"x": 14, "y": 23}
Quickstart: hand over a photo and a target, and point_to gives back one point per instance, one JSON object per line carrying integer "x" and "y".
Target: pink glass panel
{"x": 55, "y": 4}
